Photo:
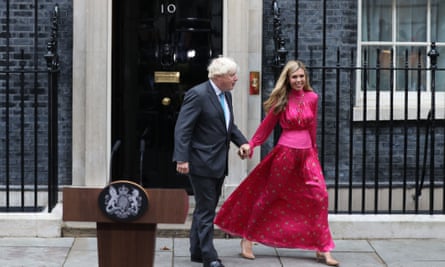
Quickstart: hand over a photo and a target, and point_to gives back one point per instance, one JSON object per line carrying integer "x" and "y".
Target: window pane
{"x": 408, "y": 62}
{"x": 411, "y": 20}
{"x": 378, "y": 61}
{"x": 440, "y": 78}
{"x": 438, "y": 21}
{"x": 376, "y": 25}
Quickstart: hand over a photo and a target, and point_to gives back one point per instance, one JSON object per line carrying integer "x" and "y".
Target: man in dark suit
{"x": 203, "y": 132}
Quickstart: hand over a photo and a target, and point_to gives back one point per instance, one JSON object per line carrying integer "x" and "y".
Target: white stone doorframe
{"x": 92, "y": 86}
{"x": 91, "y": 91}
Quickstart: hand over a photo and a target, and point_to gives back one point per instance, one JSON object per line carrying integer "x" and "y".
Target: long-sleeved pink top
{"x": 298, "y": 122}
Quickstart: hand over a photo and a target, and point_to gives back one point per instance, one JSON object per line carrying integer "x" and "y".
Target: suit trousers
{"x": 207, "y": 191}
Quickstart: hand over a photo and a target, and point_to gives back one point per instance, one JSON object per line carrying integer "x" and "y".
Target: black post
{"x": 433, "y": 54}
{"x": 52, "y": 62}
{"x": 280, "y": 49}
{"x": 280, "y": 53}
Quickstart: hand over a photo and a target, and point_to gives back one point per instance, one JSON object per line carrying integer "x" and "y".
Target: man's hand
{"x": 182, "y": 167}
{"x": 244, "y": 151}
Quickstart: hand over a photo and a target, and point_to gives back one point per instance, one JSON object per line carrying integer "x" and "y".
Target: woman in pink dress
{"x": 283, "y": 202}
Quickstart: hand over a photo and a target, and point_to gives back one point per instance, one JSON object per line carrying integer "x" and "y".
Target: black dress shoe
{"x": 196, "y": 259}
{"x": 216, "y": 263}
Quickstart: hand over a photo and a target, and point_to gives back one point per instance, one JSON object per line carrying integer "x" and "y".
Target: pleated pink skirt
{"x": 282, "y": 203}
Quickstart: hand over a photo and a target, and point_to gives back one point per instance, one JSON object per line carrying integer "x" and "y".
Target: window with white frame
{"x": 394, "y": 39}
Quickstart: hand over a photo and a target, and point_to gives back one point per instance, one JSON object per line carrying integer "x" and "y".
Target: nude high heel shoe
{"x": 246, "y": 249}
{"x": 326, "y": 258}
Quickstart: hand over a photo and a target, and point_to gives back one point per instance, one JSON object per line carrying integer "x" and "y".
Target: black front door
{"x": 161, "y": 48}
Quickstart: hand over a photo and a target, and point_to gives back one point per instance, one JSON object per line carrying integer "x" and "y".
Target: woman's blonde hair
{"x": 278, "y": 97}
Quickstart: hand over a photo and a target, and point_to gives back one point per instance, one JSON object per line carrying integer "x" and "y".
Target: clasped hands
{"x": 244, "y": 151}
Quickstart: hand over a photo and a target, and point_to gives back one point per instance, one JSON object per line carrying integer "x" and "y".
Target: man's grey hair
{"x": 221, "y": 66}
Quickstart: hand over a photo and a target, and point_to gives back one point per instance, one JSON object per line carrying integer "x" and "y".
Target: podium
{"x": 126, "y": 243}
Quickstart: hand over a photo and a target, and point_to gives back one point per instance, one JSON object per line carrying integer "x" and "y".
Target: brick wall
{"x": 29, "y": 29}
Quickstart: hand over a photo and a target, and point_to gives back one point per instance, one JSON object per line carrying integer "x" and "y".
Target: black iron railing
{"x": 28, "y": 95}
{"x": 385, "y": 155}
{"x": 379, "y": 150}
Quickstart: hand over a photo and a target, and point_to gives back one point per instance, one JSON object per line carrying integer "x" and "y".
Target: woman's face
{"x": 297, "y": 79}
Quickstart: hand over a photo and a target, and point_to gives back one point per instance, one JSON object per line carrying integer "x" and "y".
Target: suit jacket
{"x": 201, "y": 136}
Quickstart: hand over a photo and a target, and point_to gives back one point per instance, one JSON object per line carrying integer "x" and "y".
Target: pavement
{"x": 371, "y": 240}
{"x": 173, "y": 252}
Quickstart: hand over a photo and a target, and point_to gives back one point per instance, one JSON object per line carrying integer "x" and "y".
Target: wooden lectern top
{"x": 165, "y": 206}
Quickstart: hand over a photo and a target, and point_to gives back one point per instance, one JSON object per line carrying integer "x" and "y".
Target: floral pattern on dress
{"x": 283, "y": 202}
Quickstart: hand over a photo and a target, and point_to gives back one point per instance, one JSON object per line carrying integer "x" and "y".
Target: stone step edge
{"x": 341, "y": 226}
